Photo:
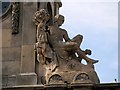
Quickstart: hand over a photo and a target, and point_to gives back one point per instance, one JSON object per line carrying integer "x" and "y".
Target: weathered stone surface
{"x": 11, "y": 54}
{"x": 52, "y": 61}
{"x": 27, "y": 79}
{"x": 57, "y": 88}
{"x": 4, "y": 81}
{"x": 6, "y": 38}
{"x": 16, "y": 40}
{"x": 11, "y": 80}
{"x": 9, "y": 40}
{"x": 107, "y": 86}
{"x": 83, "y": 88}
{"x": 1, "y": 55}
{"x": 28, "y": 27}
{"x": 6, "y": 24}
{"x": 10, "y": 67}
{"x": 27, "y": 59}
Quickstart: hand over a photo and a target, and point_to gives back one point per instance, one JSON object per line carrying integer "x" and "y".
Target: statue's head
{"x": 40, "y": 15}
{"x": 59, "y": 19}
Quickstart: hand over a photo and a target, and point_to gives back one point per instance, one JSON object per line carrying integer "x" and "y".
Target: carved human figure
{"x": 40, "y": 18}
{"x": 56, "y": 40}
{"x": 43, "y": 51}
{"x": 46, "y": 58}
{"x": 54, "y": 48}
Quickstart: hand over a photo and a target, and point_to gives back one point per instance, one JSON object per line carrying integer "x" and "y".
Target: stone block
{"x": 57, "y": 88}
{"x": 4, "y": 81}
{"x": 11, "y": 80}
{"x": 6, "y": 37}
{"x": 27, "y": 59}
{"x": 9, "y": 40}
{"x": 16, "y": 40}
{"x": 22, "y": 88}
{"x": 6, "y": 24}
{"x": 0, "y": 37}
{"x": 83, "y": 88}
{"x": 0, "y": 74}
{"x": 0, "y": 55}
{"x": 11, "y": 54}
{"x": 10, "y": 67}
{"x": 8, "y": 80}
{"x": 27, "y": 79}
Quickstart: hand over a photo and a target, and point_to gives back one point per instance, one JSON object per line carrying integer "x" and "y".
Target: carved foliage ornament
{"x": 15, "y": 17}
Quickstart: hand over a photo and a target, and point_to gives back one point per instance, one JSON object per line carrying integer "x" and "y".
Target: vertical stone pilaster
{"x": 27, "y": 74}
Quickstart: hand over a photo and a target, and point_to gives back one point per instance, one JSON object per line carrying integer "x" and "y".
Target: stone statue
{"x": 57, "y": 57}
{"x": 40, "y": 19}
{"x": 45, "y": 54}
{"x": 68, "y": 45}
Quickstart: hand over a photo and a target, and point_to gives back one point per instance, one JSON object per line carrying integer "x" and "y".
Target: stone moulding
{"x": 107, "y": 86}
{"x": 5, "y": 11}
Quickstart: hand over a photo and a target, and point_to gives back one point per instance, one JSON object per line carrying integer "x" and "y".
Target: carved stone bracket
{"x": 15, "y": 17}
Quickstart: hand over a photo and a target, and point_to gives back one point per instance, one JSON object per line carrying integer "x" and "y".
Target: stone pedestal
{"x": 27, "y": 79}
{"x": 82, "y": 86}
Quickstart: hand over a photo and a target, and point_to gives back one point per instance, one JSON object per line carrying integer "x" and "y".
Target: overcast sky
{"x": 97, "y": 21}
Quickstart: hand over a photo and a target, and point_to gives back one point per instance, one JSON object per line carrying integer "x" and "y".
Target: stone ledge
{"x": 104, "y": 86}
{"x": 27, "y": 79}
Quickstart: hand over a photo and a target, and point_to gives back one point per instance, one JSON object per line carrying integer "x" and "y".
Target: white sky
{"x": 97, "y": 21}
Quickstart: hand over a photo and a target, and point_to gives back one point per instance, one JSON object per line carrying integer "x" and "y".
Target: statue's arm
{"x": 65, "y": 35}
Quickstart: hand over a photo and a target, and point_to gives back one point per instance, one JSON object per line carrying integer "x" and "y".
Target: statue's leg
{"x": 78, "y": 39}
{"x": 82, "y": 55}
